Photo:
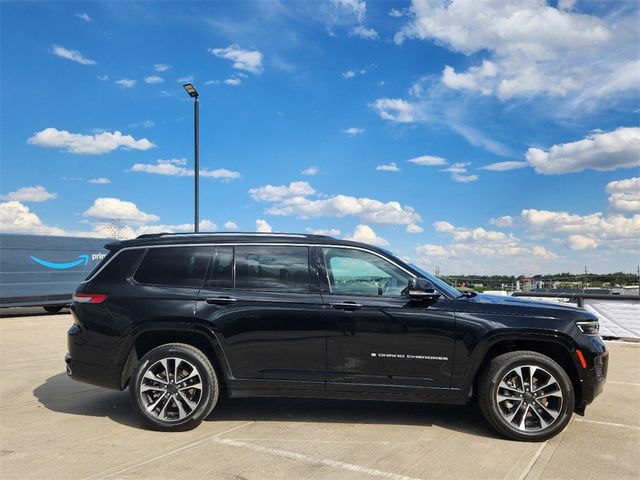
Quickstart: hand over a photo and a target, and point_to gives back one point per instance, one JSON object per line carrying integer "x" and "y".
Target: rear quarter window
{"x": 117, "y": 267}
{"x": 174, "y": 266}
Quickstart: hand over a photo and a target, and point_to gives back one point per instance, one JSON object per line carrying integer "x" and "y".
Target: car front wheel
{"x": 526, "y": 396}
{"x": 174, "y": 387}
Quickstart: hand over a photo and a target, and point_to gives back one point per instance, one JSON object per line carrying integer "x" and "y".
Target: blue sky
{"x": 480, "y": 137}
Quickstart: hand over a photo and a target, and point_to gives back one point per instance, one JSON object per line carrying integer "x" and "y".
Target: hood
{"x": 522, "y": 306}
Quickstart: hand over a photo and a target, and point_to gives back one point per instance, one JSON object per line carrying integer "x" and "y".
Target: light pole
{"x": 193, "y": 93}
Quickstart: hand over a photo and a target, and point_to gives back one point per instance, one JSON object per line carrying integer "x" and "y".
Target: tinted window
{"x": 221, "y": 275}
{"x": 356, "y": 272}
{"x": 272, "y": 268}
{"x": 118, "y": 269}
{"x": 174, "y": 266}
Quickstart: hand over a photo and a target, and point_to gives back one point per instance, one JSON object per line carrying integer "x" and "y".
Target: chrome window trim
{"x": 287, "y": 244}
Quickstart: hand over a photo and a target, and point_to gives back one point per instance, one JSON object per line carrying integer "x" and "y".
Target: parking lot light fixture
{"x": 193, "y": 93}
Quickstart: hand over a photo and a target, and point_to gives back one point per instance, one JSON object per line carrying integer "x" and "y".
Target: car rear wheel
{"x": 526, "y": 396}
{"x": 174, "y": 387}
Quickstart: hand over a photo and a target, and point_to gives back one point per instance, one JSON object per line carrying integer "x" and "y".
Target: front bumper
{"x": 593, "y": 377}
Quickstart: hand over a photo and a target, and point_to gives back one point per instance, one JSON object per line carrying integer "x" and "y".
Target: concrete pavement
{"x": 52, "y": 427}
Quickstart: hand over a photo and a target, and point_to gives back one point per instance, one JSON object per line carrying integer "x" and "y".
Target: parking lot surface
{"x": 52, "y": 427}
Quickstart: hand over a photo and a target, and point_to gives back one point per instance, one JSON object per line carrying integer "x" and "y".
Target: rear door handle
{"x": 347, "y": 306}
{"x": 221, "y": 300}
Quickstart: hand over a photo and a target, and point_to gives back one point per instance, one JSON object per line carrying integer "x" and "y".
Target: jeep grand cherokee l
{"x": 175, "y": 317}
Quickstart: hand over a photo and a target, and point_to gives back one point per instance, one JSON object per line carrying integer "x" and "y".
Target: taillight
{"x": 89, "y": 297}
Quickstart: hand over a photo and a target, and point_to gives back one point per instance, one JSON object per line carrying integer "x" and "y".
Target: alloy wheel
{"x": 171, "y": 389}
{"x": 529, "y": 398}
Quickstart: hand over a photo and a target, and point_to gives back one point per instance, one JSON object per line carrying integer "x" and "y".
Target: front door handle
{"x": 221, "y": 300}
{"x": 347, "y": 306}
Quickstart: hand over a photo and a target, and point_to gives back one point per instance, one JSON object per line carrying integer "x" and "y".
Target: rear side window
{"x": 174, "y": 266}
{"x": 277, "y": 268}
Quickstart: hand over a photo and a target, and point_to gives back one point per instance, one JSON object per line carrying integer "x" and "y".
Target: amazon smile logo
{"x": 82, "y": 259}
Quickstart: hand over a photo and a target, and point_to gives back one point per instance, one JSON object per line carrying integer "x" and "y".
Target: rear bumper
{"x": 81, "y": 364}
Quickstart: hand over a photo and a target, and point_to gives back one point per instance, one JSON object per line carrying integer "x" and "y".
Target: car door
{"x": 377, "y": 338}
{"x": 264, "y": 303}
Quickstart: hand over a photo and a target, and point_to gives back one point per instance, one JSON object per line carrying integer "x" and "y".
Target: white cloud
{"x": 116, "y": 209}
{"x": 594, "y": 225}
{"x": 458, "y": 173}
{"x": 395, "y": 13}
{"x": 144, "y": 123}
{"x": 84, "y": 16}
{"x": 365, "y": 234}
{"x": 126, "y": 82}
{"x": 472, "y": 79}
{"x": 601, "y": 151}
{"x": 293, "y": 200}
{"x": 431, "y": 250}
{"x": 411, "y": 228}
{"x": 73, "y": 55}
{"x": 230, "y": 225}
{"x": 99, "y": 181}
{"x": 502, "y": 222}
{"x": 580, "y": 242}
{"x": 396, "y": 110}
{"x": 30, "y": 194}
{"x": 504, "y": 166}
{"x": 161, "y": 67}
{"x": 332, "y": 232}
{"x": 311, "y": 171}
{"x": 103, "y": 77}
{"x": 532, "y": 47}
{"x": 234, "y": 82}
{"x": 79, "y": 144}
{"x": 248, "y": 60}
{"x": 212, "y": 82}
{"x": 624, "y": 194}
{"x": 363, "y": 32}
{"x": 16, "y": 217}
{"x": 187, "y": 79}
{"x": 391, "y": 167}
{"x": 428, "y": 160}
{"x": 177, "y": 167}
{"x": 357, "y": 8}
{"x": 153, "y": 79}
{"x": 487, "y": 243}
{"x": 353, "y": 131}
{"x": 271, "y": 193}
{"x": 263, "y": 226}
{"x": 349, "y": 74}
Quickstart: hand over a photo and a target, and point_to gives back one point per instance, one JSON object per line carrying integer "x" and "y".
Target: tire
{"x": 169, "y": 405}
{"x": 517, "y": 410}
{"x": 53, "y": 308}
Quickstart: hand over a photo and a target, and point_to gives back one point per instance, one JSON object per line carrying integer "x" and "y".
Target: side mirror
{"x": 422, "y": 289}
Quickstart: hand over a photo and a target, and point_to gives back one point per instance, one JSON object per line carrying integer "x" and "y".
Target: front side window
{"x": 354, "y": 272}
{"x": 174, "y": 266}
{"x": 275, "y": 268}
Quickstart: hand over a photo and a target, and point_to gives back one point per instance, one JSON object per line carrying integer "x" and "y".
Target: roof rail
{"x": 228, "y": 234}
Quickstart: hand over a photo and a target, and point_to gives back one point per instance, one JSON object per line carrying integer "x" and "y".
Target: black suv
{"x": 179, "y": 317}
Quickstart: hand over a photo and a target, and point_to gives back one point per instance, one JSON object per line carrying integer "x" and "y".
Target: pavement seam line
{"x": 609, "y": 424}
{"x": 623, "y": 383}
{"x": 186, "y": 447}
{"x": 533, "y": 461}
{"x": 312, "y": 460}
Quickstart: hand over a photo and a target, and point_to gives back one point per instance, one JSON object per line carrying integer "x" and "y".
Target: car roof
{"x": 231, "y": 237}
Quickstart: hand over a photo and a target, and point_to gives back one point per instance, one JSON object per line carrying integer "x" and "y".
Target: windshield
{"x": 439, "y": 284}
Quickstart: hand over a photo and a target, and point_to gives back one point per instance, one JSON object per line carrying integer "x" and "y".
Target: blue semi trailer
{"x": 45, "y": 270}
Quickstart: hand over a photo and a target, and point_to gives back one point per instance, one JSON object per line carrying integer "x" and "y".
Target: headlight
{"x": 589, "y": 328}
